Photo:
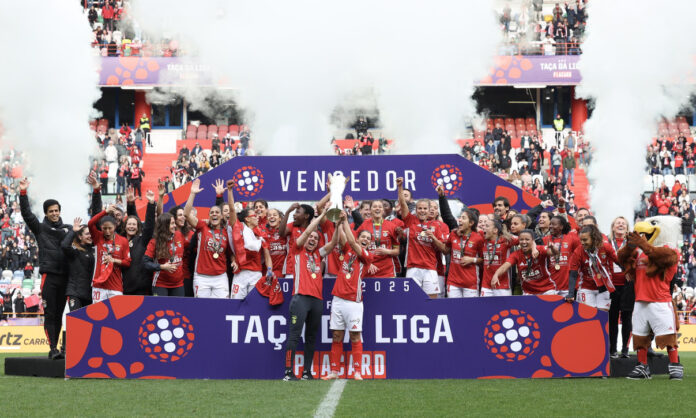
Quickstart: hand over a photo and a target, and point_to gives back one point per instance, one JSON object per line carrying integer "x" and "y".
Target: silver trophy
{"x": 337, "y": 183}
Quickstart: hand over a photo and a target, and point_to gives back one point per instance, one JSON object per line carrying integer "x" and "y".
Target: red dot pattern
{"x": 156, "y": 351}
{"x": 451, "y": 169}
{"x": 504, "y": 351}
{"x": 239, "y": 177}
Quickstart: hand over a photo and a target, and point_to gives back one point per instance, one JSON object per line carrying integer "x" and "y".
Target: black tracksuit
{"x": 80, "y": 272}
{"x": 52, "y": 267}
{"x": 136, "y": 280}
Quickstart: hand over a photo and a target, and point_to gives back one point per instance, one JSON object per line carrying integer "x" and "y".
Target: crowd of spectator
{"x": 122, "y": 152}
{"x": 117, "y": 34}
{"x": 529, "y": 31}
{"x": 546, "y": 170}
{"x": 18, "y": 249}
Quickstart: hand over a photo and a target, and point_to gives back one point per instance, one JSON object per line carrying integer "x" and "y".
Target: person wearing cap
{"x": 49, "y": 234}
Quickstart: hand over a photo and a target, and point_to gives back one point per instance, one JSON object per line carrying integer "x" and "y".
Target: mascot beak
{"x": 647, "y": 230}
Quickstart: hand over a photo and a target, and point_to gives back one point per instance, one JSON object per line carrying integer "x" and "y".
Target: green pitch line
{"x": 26, "y": 396}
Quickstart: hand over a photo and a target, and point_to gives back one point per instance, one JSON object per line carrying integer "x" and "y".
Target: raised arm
{"x": 326, "y": 249}
{"x": 96, "y": 204}
{"x": 188, "y": 209}
{"x": 219, "y": 187}
{"x": 25, "y": 208}
{"x": 350, "y": 238}
{"x": 149, "y": 225}
{"x": 311, "y": 228}
{"x": 403, "y": 207}
{"x": 445, "y": 210}
{"x": 130, "y": 202}
{"x": 230, "y": 200}
{"x": 160, "y": 201}
{"x": 283, "y": 230}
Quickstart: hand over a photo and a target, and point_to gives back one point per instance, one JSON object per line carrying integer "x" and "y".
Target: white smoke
{"x": 635, "y": 76}
{"x": 47, "y": 88}
{"x": 294, "y": 62}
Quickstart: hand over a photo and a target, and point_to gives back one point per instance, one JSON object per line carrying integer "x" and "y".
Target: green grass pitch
{"x": 25, "y": 396}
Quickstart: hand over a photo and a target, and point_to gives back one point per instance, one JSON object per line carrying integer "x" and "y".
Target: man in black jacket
{"x": 49, "y": 233}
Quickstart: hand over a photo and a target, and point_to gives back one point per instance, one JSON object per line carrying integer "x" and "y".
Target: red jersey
{"x": 108, "y": 275}
{"x": 566, "y": 244}
{"x": 333, "y": 264}
{"x": 354, "y": 266}
{"x": 294, "y": 233}
{"x": 533, "y": 272}
{"x": 187, "y": 254}
{"x": 162, "y": 278}
{"x": 596, "y": 273}
{"x": 211, "y": 243}
{"x": 652, "y": 289}
{"x": 253, "y": 249}
{"x": 277, "y": 246}
{"x": 420, "y": 251}
{"x": 307, "y": 277}
{"x": 466, "y": 277}
{"x": 618, "y": 277}
{"x": 382, "y": 236}
{"x": 494, "y": 255}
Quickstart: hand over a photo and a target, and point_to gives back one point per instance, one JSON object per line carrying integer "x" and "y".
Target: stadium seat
{"x": 692, "y": 183}
{"x": 648, "y": 183}
{"x": 212, "y": 128}
{"x": 669, "y": 180}
{"x": 234, "y": 130}
{"x": 657, "y": 180}
{"x": 222, "y": 130}
{"x": 202, "y": 132}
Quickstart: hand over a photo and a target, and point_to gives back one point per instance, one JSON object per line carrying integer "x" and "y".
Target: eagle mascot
{"x": 650, "y": 258}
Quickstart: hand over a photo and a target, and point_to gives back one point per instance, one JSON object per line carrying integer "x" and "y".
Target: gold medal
{"x": 314, "y": 275}
{"x": 348, "y": 276}
{"x": 340, "y": 258}
{"x": 130, "y": 244}
{"x": 557, "y": 267}
{"x": 216, "y": 256}
{"x": 422, "y": 234}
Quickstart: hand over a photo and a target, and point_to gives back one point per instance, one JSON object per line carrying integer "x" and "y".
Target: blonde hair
{"x": 611, "y": 229}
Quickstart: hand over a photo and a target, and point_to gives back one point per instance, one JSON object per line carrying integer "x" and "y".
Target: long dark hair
{"x": 184, "y": 229}
{"x": 77, "y": 241}
{"x": 163, "y": 236}
{"x": 594, "y": 234}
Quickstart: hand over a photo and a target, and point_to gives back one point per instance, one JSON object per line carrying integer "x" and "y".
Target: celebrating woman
{"x": 164, "y": 257}
{"x": 465, "y": 247}
{"x": 532, "y": 266}
{"x": 384, "y": 242}
{"x": 565, "y": 244}
{"x": 113, "y": 254}
{"x": 210, "y": 270}
{"x": 136, "y": 281}
{"x": 77, "y": 247}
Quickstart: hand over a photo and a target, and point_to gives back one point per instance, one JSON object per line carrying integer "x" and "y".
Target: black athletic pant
{"x": 620, "y": 306}
{"x": 168, "y": 291}
{"x": 188, "y": 288}
{"x": 304, "y": 310}
{"x": 53, "y": 299}
{"x": 75, "y": 303}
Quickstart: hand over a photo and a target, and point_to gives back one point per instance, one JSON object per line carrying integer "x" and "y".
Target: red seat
{"x": 222, "y": 130}
{"x": 234, "y": 130}
{"x": 202, "y": 132}
{"x": 212, "y": 128}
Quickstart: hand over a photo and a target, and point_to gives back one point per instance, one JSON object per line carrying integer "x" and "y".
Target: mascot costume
{"x": 650, "y": 258}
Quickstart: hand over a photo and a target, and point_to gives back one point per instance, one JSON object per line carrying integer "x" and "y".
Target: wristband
{"x": 23, "y": 192}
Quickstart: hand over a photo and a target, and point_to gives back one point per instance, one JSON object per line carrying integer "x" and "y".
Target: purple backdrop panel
{"x": 371, "y": 177}
{"x": 542, "y": 69}
{"x": 162, "y": 71}
{"x": 406, "y": 336}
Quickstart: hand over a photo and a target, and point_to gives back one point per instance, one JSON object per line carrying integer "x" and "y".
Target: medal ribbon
{"x": 378, "y": 236}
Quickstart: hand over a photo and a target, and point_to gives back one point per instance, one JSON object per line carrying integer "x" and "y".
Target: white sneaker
{"x": 330, "y": 376}
{"x": 357, "y": 376}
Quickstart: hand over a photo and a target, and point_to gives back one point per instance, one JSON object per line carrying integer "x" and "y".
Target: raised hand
{"x": 130, "y": 194}
{"x": 150, "y": 195}
{"x": 400, "y": 182}
{"x": 77, "y": 224}
{"x": 294, "y": 206}
{"x": 196, "y": 186}
{"x": 92, "y": 180}
{"x": 230, "y": 184}
{"x": 160, "y": 189}
{"x": 219, "y": 187}
{"x": 24, "y": 183}
{"x": 348, "y": 203}
{"x": 440, "y": 190}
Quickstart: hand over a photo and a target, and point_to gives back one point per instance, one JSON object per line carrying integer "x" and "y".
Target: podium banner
{"x": 23, "y": 339}
{"x": 370, "y": 177}
{"x": 406, "y": 335}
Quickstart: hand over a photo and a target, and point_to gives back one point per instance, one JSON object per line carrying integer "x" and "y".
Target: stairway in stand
{"x": 581, "y": 189}
{"x": 155, "y": 166}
